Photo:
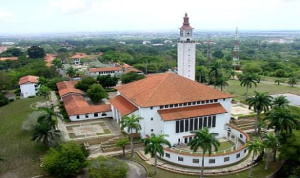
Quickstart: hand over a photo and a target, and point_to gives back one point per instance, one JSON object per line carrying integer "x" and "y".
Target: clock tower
{"x": 186, "y": 51}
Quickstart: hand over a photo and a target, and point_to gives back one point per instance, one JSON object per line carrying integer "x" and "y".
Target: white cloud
{"x": 71, "y": 6}
{"x": 6, "y": 14}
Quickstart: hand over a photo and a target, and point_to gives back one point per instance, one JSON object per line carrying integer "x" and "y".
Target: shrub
{"x": 65, "y": 160}
{"x": 107, "y": 167}
{"x": 3, "y": 99}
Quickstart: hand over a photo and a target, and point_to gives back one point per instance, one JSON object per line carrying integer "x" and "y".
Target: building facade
{"x": 186, "y": 51}
{"x": 29, "y": 86}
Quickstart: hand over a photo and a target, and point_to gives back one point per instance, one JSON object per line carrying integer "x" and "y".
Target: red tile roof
{"x": 192, "y": 111}
{"x": 168, "y": 88}
{"x": 49, "y": 58}
{"x": 8, "y": 58}
{"x": 76, "y": 105}
{"x": 123, "y": 105}
{"x": 79, "y": 56}
{"x": 133, "y": 70}
{"x": 105, "y": 69}
{"x": 67, "y": 87}
{"x": 28, "y": 79}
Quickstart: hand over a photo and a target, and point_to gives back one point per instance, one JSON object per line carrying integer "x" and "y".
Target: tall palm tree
{"x": 293, "y": 81}
{"x": 222, "y": 82}
{"x": 122, "y": 143}
{"x": 270, "y": 142}
{"x": 206, "y": 141}
{"x": 280, "y": 101}
{"x": 282, "y": 120}
{"x": 154, "y": 146}
{"x": 260, "y": 102}
{"x": 215, "y": 71}
{"x": 49, "y": 116}
{"x": 247, "y": 80}
{"x": 131, "y": 123}
{"x": 43, "y": 132}
{"x": 255, "y": 147}
{"x": 71, "y": 71}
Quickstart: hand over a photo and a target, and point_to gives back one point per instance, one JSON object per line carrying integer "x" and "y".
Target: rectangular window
{"x": 184, "y": 104}
{"x": 171, "y": 105}
{"x": 175, "y": 105}
{"x": 189, "y": 103}
{"x": 214, "y": 121}
{"x": 196, "y": 161}
{"x": 77, "y": 117}
{"x": 166, "y": 106}
{"x": 241, "y": 135}
{"x": 95, "y": 114}
{"x": 160, "y": 107}
{"x": 86, "y": 116}
{"x": 207, "y": 101}
{"x": 200, "y": 122}
{"x": 211, "y": 161}
{"x": 177, "y": 126}
{"x": 194, "y": 103}
{"x": 168, "y": 155}
{"x": 151, "y": 130}
{"x": 182, "y": 126}
{"x": 185, "y": 140}
{"x": 191, "y": 124}
{"x": 180, "y": 104}
{"x": 245, "y": 150}
{"x": 196, "y": 124}
{"x": 180, "y": 158}
{"x": 151, "y": 118}
{"x": 186, "y": 125}
{"x": 198, "y": 102}
{"x": 209, "y": 121}
{"x": 238, "y": 155}
{"x": 205, "y": 122}
{"x": 203, "y": 102}
{"x": 151, "y": 108}
{"x": 215, "y": 100}
{"x": 226, "y": 159}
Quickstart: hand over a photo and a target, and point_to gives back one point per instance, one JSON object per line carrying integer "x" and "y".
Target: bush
{"x": 3, "y": 99}
{"x": 65, "y": 160}
{"x": 96, "y": 93}
{"x": 31, "y": 96}
{"x": 131, "y": 77}
{"x": 107, "y": 167}
{"x": 85, "y": 83}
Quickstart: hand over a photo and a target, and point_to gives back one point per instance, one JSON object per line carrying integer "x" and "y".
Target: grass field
{"x": 239, "y": 92}
{"x": 21, "y": 155}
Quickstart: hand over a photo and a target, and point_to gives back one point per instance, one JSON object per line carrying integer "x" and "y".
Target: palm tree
{"x": 122, "y": 143}
{"x": 281, "y": 119}
{"x": 278, "y": 81}
{"x": 131, "y": 122}
{"x": 71, "y": 71}
{"x": 293, "y": 81}
{"x": 222, "y": 82}
{"x": 280, "y": 101}
{"x": 50, "y": 116}
{"x": 154, "y": 146}
{"x": 204, "y": 140}
{"x": 247, "y": 80}
{"x": 255, "y": 147}
{"x": 270, "y": 141}
{"x": 43, "y": 132}
{"x": 260, "y": 102}
{"x": 215, "y": 71}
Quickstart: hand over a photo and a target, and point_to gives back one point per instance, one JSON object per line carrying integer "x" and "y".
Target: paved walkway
{"x": 135, "y": 170}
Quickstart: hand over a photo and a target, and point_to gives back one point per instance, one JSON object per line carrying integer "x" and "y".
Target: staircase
{"x": 246, "y": 124}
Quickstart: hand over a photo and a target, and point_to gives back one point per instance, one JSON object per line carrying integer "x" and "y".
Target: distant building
{"x": 3, "y": 48}
{"x": 77, "y": 57}
{"x": 186, "y": 51}
{"x": 8, "y": 58}
{"x": 146, "y": 42}
{"x": 29, "y": 86}
{"x": 113, "y": 71}
{"x": 48, "y": 59}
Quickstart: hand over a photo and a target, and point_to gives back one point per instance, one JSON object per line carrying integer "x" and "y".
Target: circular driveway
{"x": 135, "y": 170}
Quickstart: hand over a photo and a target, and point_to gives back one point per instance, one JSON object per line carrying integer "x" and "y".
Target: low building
{"x": 77, "y": 107}
{"x": 9, "y": 58}
{"x": 29, "y": 86}
{"x": 77, "y": 57}
{"x": 113, "y": 71}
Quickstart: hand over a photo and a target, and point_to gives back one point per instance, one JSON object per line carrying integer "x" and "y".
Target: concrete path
{"x": 135, "y": 170}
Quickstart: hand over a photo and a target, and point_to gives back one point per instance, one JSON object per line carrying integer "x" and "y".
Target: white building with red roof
{"x": 77, "y": 108}
{"x": 174, "y": 105}
{"x": 29, "y": 85}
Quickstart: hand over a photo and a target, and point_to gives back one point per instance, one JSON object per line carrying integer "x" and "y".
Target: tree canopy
{"x": 96, "y": 93}
{"x": 36, "y": 52}
{"x": 85, "y": 83}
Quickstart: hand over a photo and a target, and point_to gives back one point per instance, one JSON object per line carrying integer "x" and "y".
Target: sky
{"x": 52, "y": 16}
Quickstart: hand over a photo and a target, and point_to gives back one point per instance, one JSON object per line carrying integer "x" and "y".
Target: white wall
{"x": 28, "y": 89}
{"x": 148, "y": 124}
{"x": 90, "y": 116}
{"x": 186, "y": 60}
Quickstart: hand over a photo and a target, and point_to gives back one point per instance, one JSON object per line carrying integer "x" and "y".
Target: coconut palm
{"x": 71, "y": 71}
{"x": 43, "y": 132}
{"x": 221, "y": 83}
{"x": 278, "y": 81}
{"x": 259, "y": 102}
{"x": 280, "y": 101}
{"x": 247, "y": 80}
{"x": 282, "y": 120}
{"x": 154, "y": 146}
{"x": 255, "y": 147}
{"x": 131, "y": 123}
{"x": 49, "y": 116}
{"x": 206, "y": 141}
{"x": 270, "y": 142}
{"x": 122, "y": 143}
{"x": 293, "y": 81}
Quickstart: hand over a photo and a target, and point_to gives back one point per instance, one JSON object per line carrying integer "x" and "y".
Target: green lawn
{"x": 258, "y": 171}
{"x": 21, "y": 155}
{"x": 239, "y": 92}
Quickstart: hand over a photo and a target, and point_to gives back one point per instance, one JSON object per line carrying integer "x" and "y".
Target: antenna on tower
{"x": 236, "y": 50}
{"x": 209, "y": 57}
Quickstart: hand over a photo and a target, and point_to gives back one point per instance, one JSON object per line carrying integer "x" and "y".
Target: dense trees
{"x": 85, "y": 83}
{"x": 131, "y": 77}
{"x": 96, "y": 93}
{"x": 12, "y": 52}
{"x": 107, "y": 81}
{"x": 36, "y": 52}
{"x": 206, "y": 141}
{"x": 65, "y": 160}
{"x": 154, "y": 145}
{"x": 131, "y": 123}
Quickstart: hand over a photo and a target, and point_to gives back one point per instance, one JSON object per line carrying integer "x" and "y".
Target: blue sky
{"x": 39, "y": 16}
